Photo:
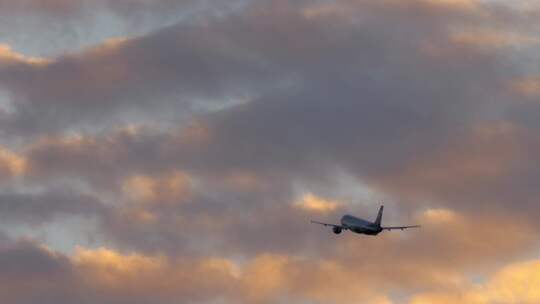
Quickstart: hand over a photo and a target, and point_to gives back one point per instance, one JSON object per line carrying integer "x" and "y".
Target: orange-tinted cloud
{"x": 109, "y": 276}
{"x": 528, "y": 86}
{"x": 12, "y": 164}
{"x": 170, "y": 187}
{"x": 311, "y": 203}
{"x": 10, "y": 57}
{"x": 489, "y": 38}
{"x": 515, "y": 283}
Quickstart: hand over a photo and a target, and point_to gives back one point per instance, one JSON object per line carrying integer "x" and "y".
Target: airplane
{"x": 361, "y": 226}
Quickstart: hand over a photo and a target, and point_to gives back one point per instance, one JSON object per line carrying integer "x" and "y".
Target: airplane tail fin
{"x": 379, "y": 216}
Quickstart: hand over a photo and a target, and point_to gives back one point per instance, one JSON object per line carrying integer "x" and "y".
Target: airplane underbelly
{"x": 365, "y": 231}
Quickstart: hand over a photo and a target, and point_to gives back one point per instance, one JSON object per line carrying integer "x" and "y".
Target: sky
{"x": 175, "y": 151}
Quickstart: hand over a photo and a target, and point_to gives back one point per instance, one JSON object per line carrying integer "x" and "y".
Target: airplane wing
{"x": 326, "y": 224}
{"x": 400, "y": 227}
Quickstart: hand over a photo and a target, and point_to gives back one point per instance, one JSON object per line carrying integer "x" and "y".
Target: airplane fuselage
{"x": 359, "y": 225}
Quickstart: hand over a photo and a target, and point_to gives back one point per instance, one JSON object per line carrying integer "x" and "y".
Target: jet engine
{"x": 337, "y": 230}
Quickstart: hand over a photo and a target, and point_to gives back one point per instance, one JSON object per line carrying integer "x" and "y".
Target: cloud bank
{"x": 201, "y": 147}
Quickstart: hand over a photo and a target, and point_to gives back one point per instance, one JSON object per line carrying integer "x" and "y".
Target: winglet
{"x": 379, "y": 216}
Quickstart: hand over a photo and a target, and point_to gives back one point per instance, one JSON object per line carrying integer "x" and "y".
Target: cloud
{"x": 422, "y": 140}
{"x": 33, "y": 274}
{"x": 172, "y": 187}
{"x": 110, "y": 276}
{"x": 60, "y": 6}
{"x": 490, "y": 38}
{"x": 217, "y": 65}
{"x": 66, "y": 8}
{"x": 104, "y": 160}
{"x": 528, "y": 86}
{"x": 131, "y": 77}
{"x": 515, "y": 283}
{"x": 204, "y": 148}
{"x": 12, "y": 164}
{"x": 9, "y": 57}
{"x": 320, "y": 103}
{"x": 486, "y": 155}
{"x": 39, "y": 207}
{"x": 312, "y": 203}
{"x": 25, "y": 263}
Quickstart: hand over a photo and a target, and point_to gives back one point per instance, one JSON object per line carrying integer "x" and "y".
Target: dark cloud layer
{"x": 41, "y": 207}
{"x": 247, "y": 54}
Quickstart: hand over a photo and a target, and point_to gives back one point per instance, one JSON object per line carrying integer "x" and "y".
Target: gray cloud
{"x": 24, "y": 258}
{"x": 375, "y": 100}
{"x": 172, "y": 70}
{"x": 238, "y": 57}
{"x": 88, "y": 21}
{"x": 386, "y": 92}
{"x": 41, "y": 207}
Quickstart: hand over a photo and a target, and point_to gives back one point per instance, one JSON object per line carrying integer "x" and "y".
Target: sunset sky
{"x": 175, "y": 151}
